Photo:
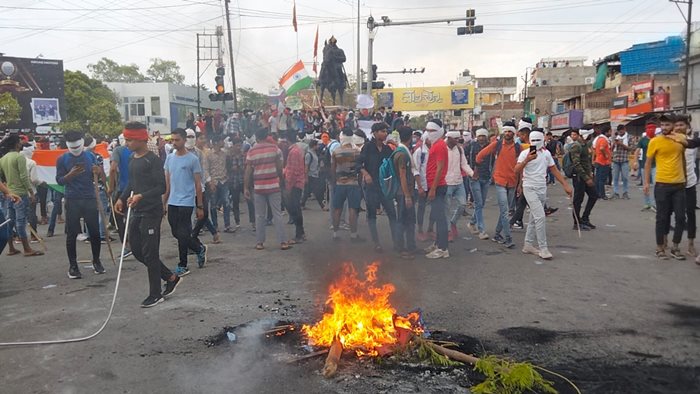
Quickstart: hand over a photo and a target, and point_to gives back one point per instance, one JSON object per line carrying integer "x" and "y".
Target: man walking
{"x": 294, "y": 181}
{"x": 456, "y": 168}
{"x": 533, "y": 163}
{"x": 183, "y": 178}
{"x": 682, "y": 128}
{"x": 142, "y": 194}
{"x": 74, "y": 171}
{"x": 582, "y": 176}
{"x": 436, "y": 172}
{"x": 216, "y": 167}
{"x": 406, "y": 211}
{"x": 264, "y": 170}
{"x": 602, "y": 161}
{"x": 479, "y": 183}
{"x": 620, "y": 163}
{"x": 369, "y": 161}
{"x": 669, "y": 190}
{"x": 505, "y": 154}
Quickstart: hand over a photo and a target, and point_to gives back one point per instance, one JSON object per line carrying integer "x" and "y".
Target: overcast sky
{"x": 517, "y": 33}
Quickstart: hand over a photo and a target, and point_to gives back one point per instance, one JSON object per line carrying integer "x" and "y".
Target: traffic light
{"x": 375, "y": 85}
{"x": 374, "y": 72}
{"x": 470, "y": 28}
{"x": 219, "y": 79}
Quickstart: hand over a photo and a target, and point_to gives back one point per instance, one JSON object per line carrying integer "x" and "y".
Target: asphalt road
{"x": 604, "y": 312}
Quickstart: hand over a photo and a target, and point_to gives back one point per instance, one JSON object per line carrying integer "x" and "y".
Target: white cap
{"x": 483, "y": 132}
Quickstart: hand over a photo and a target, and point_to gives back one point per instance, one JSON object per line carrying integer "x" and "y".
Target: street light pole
{"x": 358, "y": 77}
{"x": 230, "y": 54}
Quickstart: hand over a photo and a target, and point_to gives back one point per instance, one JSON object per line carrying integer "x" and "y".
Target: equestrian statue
{"x": 332, "y": 76}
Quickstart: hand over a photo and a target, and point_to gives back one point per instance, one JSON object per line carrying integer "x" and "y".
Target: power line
{"x": 106, "y": 9}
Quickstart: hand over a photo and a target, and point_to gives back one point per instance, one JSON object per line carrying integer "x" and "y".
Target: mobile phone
{"x": 532, "y": 149}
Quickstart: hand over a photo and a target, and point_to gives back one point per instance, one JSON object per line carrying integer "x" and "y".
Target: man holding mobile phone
{"x": 74, "y": 171}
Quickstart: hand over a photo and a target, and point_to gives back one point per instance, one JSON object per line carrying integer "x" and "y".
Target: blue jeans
{"x": 458, "y": 193}
{"x": 219, "y": 198}
{"x": 438, "y": 214}
{"x": 601, "y": 177}
{"x": 406, "y": 224}
{"x": 19, "y": 213}
{"x": 505, "y": 195}
{"x": 56, "y": 210}
{"x": 480, "y": 189}
{"x": 620, "y": 170}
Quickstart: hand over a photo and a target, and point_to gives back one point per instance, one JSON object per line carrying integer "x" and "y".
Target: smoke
{"x": 246, "y": 366}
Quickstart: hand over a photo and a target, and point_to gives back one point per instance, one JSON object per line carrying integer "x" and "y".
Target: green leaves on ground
{"x": 509, "y": 377}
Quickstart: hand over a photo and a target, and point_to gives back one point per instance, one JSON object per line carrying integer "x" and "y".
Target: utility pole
{"x": 358, "y": 77}
{"x": 206, "y": 41}
{"x": 230, "y": 54}
{"x": 469, "y": 18}
{"x": 688, "y": 22}
{"x": 199, "y": 99}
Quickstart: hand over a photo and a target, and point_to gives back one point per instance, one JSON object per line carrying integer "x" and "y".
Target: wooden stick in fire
{"x": 331, "y": 366}
{"x": 453, "y": 354}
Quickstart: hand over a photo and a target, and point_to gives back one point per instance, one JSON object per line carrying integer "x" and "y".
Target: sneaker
{"x": 438, "y": 254}
{"x": 498, "y": 238}
{"x": 588, "y": 224}
{"x": 483, "y": 236}
{"x": 127, "y": 253}
{"x": 676, "y": 254}
{"x": 82, "y": 237}
{"x": 550, "y": 211}
{"x": 151, "y": 301}
{"x": 509, "y": 244}
{"x": 615, "y": 196}
{"x": 661, "y": 254}
{"x": 625, "y": 196}
{"x": 527, "y": 248}
{"x": 345, "y": 226}
{"x": 473, "y": 229}
{"x": 49, "y": 234}
{"x": 653, "y": 209}
{"x": 202, "y": 256}
{"x": 170, "y": 286}
{"x": 581, "y": 227}
{"x": 181, "y": 271}
{"x": 545, "y": 254}
{"x": 74, "y": 272}
{"x": 430, "y": 249}
{"x": 97, "y": 266}
{"x": 518, "y": 225}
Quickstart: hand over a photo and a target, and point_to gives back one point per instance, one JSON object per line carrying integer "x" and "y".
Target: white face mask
{"x": 434, "y": 135}
{"x": 190, "y": 142}
{"x": 537, "y": 140}
{"x": 76, "y": 147}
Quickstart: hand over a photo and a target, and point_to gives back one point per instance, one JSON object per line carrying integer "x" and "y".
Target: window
{"x": 155, "y": 106}
{"x": 135, "y": 106}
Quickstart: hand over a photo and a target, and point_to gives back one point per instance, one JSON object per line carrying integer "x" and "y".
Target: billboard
{"x": 435, "y": 98}
{"x": 37, "y": 85}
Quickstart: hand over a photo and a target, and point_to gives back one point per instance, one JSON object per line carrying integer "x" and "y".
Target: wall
{"x": 564, "y": 76}
{"x": 544, "y": 97}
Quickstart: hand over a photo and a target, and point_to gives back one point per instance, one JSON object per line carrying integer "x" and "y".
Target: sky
{"x": 517, "y": 33}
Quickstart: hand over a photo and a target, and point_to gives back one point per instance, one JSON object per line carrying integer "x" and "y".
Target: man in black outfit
{"x": 143, "y": 195}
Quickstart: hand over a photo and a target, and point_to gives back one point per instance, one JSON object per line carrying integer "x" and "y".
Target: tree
{"x": 418, "y": 122}
{"x": 107, "y": 70}
{"x": 91, "y": 106}
{"x": 10, "y": 109}
{"x": 165, "y": 71}
{"x": 250, "y": 99}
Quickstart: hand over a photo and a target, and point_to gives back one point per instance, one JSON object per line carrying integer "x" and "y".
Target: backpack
{"x": 567, "y": 164}
{"x": 389, "y": 181}
{"x": 497, "y": 151}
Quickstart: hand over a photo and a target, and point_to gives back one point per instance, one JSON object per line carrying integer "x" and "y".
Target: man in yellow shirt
{"x": 667, "y": 150}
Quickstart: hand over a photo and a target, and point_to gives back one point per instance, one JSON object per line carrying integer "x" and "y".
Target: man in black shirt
{"x": 143, "y": 195}
{"x": 369, "y": 161}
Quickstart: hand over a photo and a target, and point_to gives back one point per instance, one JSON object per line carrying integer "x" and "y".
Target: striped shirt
{"x": 346, "y": 170}
{"x": 263, "y": 157}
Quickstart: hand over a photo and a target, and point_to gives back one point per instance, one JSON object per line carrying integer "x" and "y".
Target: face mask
{"x": 434, "y": 135}
{"x": 75, "y": 147}
{"x": 190, "y": 142}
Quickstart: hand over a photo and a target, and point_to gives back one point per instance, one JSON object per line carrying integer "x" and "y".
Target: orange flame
{"x": 362, "y": 317}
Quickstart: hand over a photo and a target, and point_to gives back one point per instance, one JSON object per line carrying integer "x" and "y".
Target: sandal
{"x": 12, "y": 253}
{"x": 285, "y": 246}
{"x": 292, "y": 242}
{"x": 259, "y": 247}
{"x": 34, "y": 253}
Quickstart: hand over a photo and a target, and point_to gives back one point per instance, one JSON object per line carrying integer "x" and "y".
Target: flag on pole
{"x": 315, "y": 50}
{"x": 294, "y": 16}
{"x": 295, "y": 79}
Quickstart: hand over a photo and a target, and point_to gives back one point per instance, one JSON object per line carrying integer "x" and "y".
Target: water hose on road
{"x": 111, "y": 308}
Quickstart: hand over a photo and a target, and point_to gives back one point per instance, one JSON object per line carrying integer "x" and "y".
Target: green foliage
{"x": 91, "y": 106}
{"x": 426, "y": 353}
{"x": 165, "y": 71}
{"x": 10, "y": 109}
{"x": 508, "y": 377}
{"x": 250, "y": 99}
{"x": 418, "y": 122}
{"x": 107, "y": 70}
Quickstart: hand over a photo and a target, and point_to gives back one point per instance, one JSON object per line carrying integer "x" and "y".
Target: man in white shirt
{"x": 533, "y": 163}
{"x": 456, "y": 167}
{"x": 420, "y": 157}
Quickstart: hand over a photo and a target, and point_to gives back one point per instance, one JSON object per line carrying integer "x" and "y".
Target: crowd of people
{"x": 373, "y": 162}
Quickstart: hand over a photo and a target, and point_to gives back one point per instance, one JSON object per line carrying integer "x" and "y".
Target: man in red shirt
{"x": 437, "y": 188}
{"x": 294, "y": 181}
{"x": 602, "y": 161}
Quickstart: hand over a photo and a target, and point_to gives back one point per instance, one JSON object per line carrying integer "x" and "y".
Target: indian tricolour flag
{"x": 295, "y": 79}
{"x": 46, "y": 164}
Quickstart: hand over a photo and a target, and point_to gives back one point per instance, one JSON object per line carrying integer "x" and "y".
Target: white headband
{"x": 453, "y": 134}
{"x": 433, "y": 126}
{"x": 92, "y": 144}
{"x": 75, "y": 144}
{"x": 483, "y": 132}
{"x": 508, "y": 128}
{"x": 524, "y": 125}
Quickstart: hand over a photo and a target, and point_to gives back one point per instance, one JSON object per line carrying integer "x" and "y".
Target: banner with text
{"x": 434, "y": 98}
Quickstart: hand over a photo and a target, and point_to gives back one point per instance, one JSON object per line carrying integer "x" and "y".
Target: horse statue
{"x": 332, "y": 76}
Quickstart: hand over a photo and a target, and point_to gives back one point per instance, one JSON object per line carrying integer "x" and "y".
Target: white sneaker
{"x": 527, "y": 248}
{"x": 483, "y": 236}
{"x": 473, "y": 228}
{"x": 545, "y": 254}
{"x": 438, "y": 254}
{"x": 430, "y": 249}
{"x": 82, "y": 237}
